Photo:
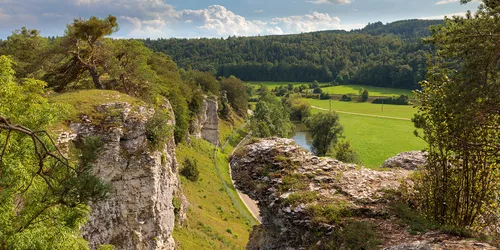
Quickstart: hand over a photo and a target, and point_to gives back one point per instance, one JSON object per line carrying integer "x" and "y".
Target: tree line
{"x": 391, "y": 55}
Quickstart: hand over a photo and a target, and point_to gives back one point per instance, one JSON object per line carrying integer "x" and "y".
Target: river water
{"x": 302, "y": 136}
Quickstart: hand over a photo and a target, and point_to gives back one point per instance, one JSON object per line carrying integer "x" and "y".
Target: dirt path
{"x": 352, "y": 113}
{"x": 249, "y": 202}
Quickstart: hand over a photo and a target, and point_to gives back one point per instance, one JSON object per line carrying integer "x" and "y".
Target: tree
{"x": 27, "y": 48}
{"x": 325, "y": 129}
{"x": 236, "y": 94}
{"x": 43, "y": 195}
{"x": 345, "y": 152}
{"x": 364, "y": 96}
{"x": 271, "y": 118}
{"x": 85, "y": 50}
{"x": 460, "y": 120}
{"x": 300, "y": 109}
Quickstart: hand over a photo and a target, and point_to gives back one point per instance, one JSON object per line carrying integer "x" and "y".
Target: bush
{"x": 401, "y": 100}
{"x": 190, "y": 169}
{"x": 157, "y": 130}
{"x": 317, "y": 90}
{"x": 346, "y": 98}
{"x": 324, "y": 96}
{"x": 345, "y": 153}
{"x": 364, "y": 96}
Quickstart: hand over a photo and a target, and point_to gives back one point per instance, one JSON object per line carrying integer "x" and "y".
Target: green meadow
{"x": 216, "y": 217}
{"x": 375, "y": 138}
{"x": 397, "y": 111}
{"x": 345, "y": 89}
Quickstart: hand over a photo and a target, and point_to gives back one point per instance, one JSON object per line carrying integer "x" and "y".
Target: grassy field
{"x": 373, "y": 91}
{"x": 399, "y": 111}
{"x": 345, "y": 89}
{"x": 375, "y": 138}
{"x": 216, "y": 217}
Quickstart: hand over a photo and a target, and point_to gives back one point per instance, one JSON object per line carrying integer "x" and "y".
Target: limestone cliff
{"x": 308, "y": 202}
{"x": 206, "y": 124}
{"x": 139, "y": 210}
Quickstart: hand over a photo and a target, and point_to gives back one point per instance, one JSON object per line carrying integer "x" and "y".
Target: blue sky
{"x": 219, "y": 18}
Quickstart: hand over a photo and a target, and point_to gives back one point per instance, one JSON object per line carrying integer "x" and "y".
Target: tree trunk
{"x": 95, "y": 77}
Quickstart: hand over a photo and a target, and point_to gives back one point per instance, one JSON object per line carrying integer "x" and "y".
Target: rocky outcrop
{"x": 308, "y": 202}
{"x": 206, "y": 124}
{"x": 138, "y": 213}
{"x": 407, "y": 160}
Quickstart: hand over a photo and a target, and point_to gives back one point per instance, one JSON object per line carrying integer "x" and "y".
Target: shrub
{"x": 176, "y": 202}
{"x": 324, "y": 96}
{"x": 157, "y": 130}
{"x": 344, "y": 152}
{"x": 364, "y": 96}
{"x": 346, "y": 98}
{"x": 190, "y": 169}
{"x": 401, "y": 100}
{"x": 317, "y": 90}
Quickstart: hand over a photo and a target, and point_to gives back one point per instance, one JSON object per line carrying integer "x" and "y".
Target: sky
{"x": 219, "y": 18}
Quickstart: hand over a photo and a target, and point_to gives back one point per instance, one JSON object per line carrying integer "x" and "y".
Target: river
{"x": 302, "y": 136}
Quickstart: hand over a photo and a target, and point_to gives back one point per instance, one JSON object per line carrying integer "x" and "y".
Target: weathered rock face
{"x": 407, "y": 160}
{"x": 310, "y": 202}
{"x": 206, "y": 124}
{"x": 138, "y": 213}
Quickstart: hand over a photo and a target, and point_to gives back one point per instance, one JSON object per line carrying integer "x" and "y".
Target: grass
{"x": 373, "y": 91}
{"x": 213, "y": 208}
{"x": 345, "y": 89}
{"x": 399, "y": 111}
{"x": 85, "y": 101}
{"x": 273, "y": 85}
{"x": 377, "y": 139}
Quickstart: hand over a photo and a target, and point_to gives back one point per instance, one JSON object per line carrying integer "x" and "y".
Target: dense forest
{"x": 388, "y": 55}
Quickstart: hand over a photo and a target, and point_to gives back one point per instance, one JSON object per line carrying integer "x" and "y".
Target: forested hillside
{"x": 391, "y": 55}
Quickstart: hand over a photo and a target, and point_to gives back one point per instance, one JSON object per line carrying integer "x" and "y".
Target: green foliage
{"x": 391, "y": 55}
{"x": 157, "y": 129}
{"x": 325, "y": 96}
{"x": 325, "y": 129}
{"x": 346, "y": 153}
{"x": 331, "y": 213}
{"x": 459, "y": 117}
{"x": 190, "y": 169}
{"x": 364, "y": 96}
{"x": 417, "y": 222}
{"x": 346, "y": 98}
{"x": 357, "y": 235}
{"x": 271, "y": 118}
{"x": 26, "y": 48}
{"x": 177, "y": 203}
{"x": 106, "y": 247}
{"x": 53, "y": 192}
{"x": 401, "y": 100}
{"x": 317, "y": 90}
{"x": 299, "y": 109}
{"x": 236, "y": 94}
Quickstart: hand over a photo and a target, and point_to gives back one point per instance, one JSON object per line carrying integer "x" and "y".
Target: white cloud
{"x": 442, "y": 16}
{"x": 446, "y": 2}
{"x": 329, "y": 1}
{"x": 222, "y": 21}
{"x": 146, "y": 28}
{"x": 307, "y": 23}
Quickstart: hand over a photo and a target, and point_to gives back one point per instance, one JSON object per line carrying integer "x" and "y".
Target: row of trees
{"x": 391, "y": 55}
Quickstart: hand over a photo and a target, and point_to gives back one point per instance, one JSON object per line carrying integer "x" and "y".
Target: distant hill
{"x": 388, "y": 55}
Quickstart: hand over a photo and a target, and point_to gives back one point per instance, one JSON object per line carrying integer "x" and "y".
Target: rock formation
{"x": 406, "y": 160}
{"x": 138, "y": 213}
{"x": 308, "y": 202}
{"x": 206, "y": 124}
